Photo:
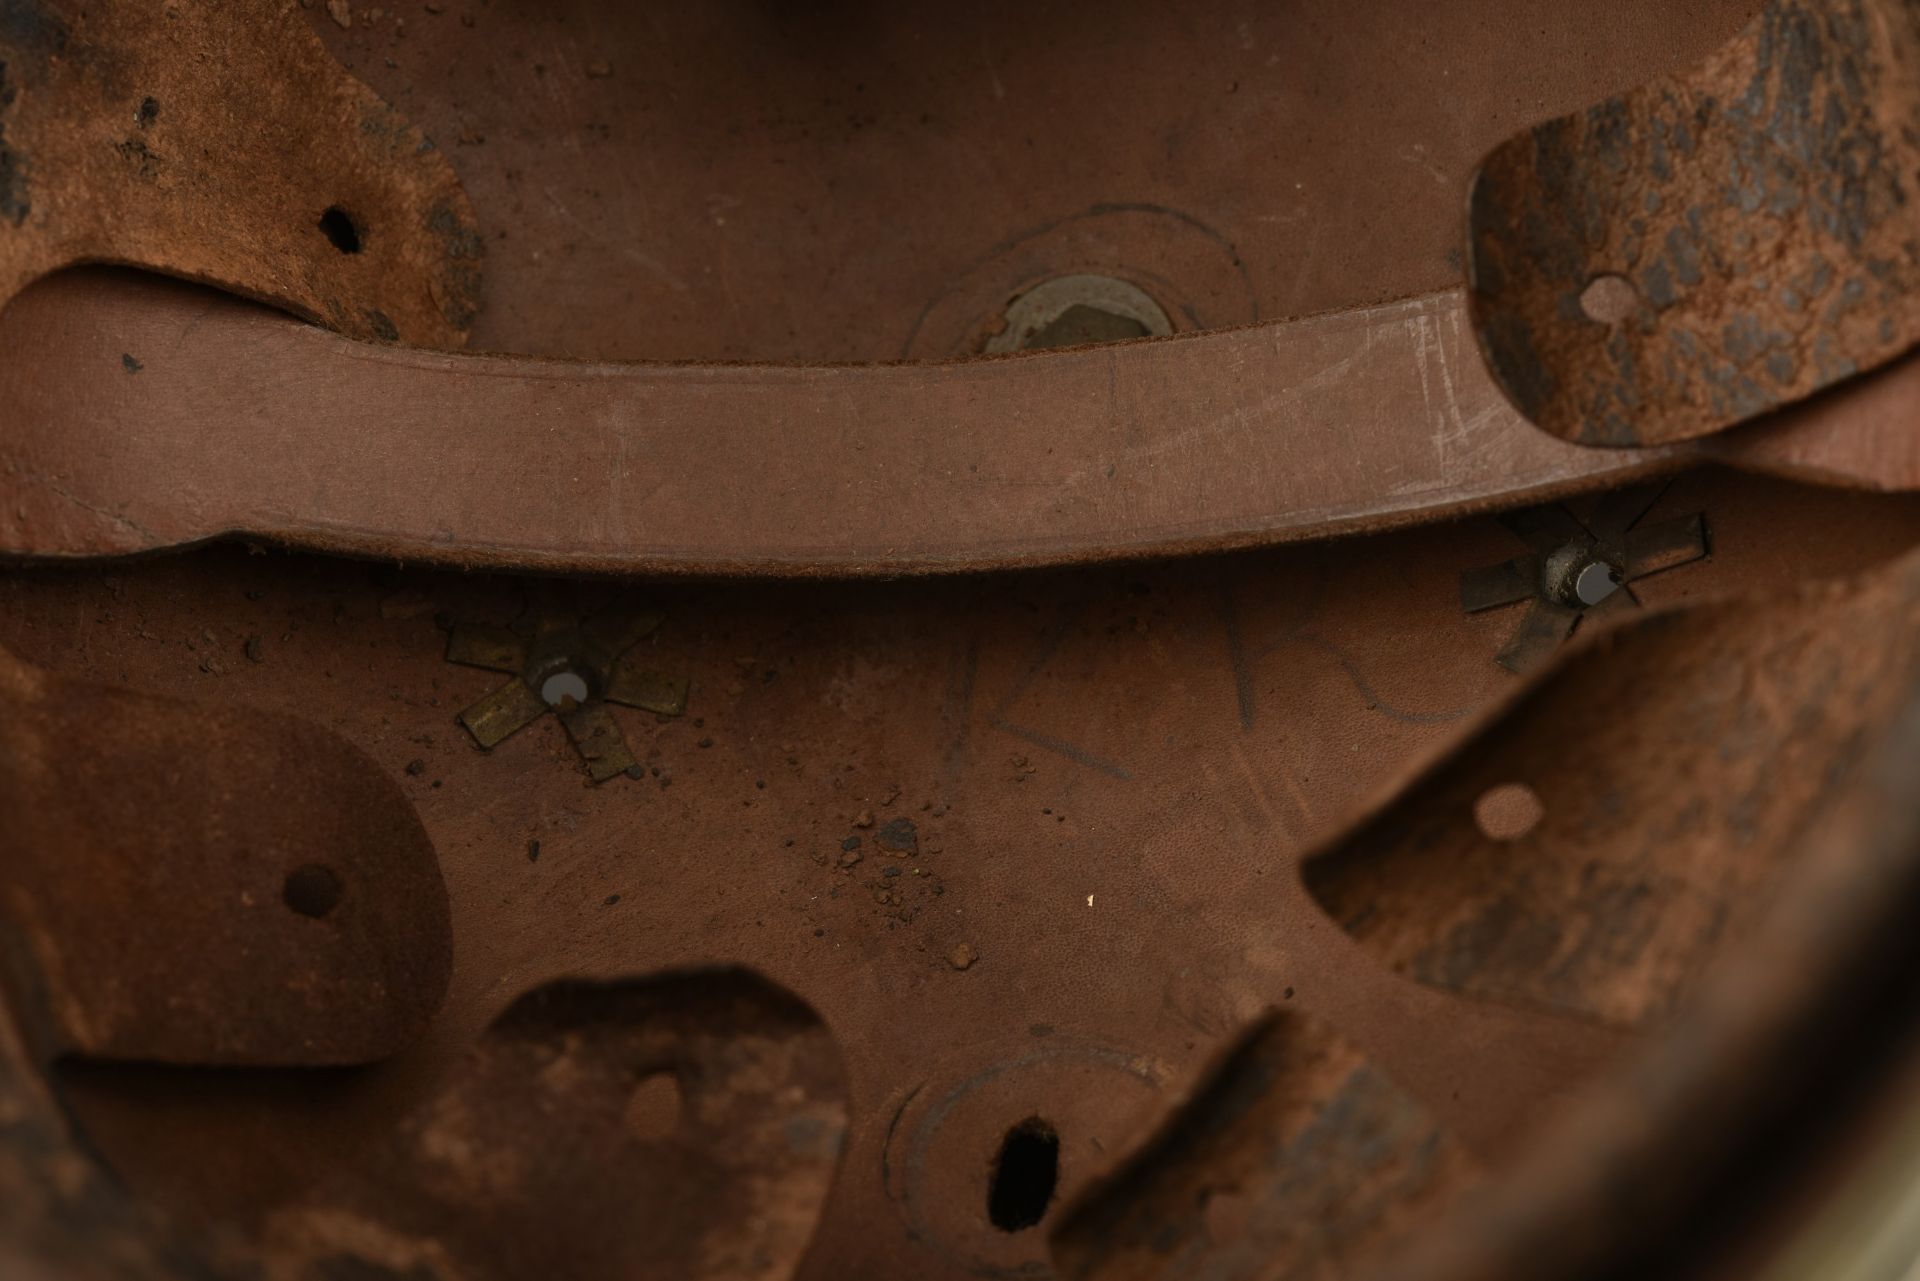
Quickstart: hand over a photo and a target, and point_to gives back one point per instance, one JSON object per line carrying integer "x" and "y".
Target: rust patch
{"x": 1813, "y": 1015}
{"x": 208, "y": 885}
{"x": 1680, "y": 763}
{"x": 1144, "y": 914}
{"x": 61, "y": 1214}
{"x": 1295, "y": 1158}
{"x": 119, "y": 144}
{"x": 548, "y": 1152}
{"x": 1713, "y": 245}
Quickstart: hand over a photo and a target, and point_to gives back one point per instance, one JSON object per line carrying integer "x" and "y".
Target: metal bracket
{"x": 1579, "y": 568}
{"x": 572, "y": 667}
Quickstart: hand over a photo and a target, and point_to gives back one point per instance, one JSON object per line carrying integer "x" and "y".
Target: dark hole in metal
{"x": 1024, "y": 1176}
{"x": 312, "y": 890}
{"x": 338, "y": 226}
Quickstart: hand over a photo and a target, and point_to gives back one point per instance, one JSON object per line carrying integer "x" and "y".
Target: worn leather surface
{"x": 238, "y": 420}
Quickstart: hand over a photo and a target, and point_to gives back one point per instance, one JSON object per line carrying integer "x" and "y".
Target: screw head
{"x": 1595, "y": 582}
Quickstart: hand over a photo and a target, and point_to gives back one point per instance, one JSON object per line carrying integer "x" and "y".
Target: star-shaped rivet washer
{"x": 572, "y": 667}
{"x": 1578, "y": 569}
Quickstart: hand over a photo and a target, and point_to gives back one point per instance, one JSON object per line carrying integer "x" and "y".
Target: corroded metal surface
{"x": 1670, "y": 1162}
{"x": 208, "y": 885}
{"x": 1165, "y": 740}
{"x": 1294, "y": 1157}
{"x": 681, "y": 1127}
{"x": 62, "y": 1215}
{"x": 1791, "y": 726}
{"x": 1709, "y": 743}
{"x": 854, "y": 182}
{"x": 220, "y": 142}
{"x": 1026, "y": 850}
{"x": 1713, "y": 245}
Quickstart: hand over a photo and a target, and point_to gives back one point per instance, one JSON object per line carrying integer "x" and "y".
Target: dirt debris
{"x": 899, "y": 837}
